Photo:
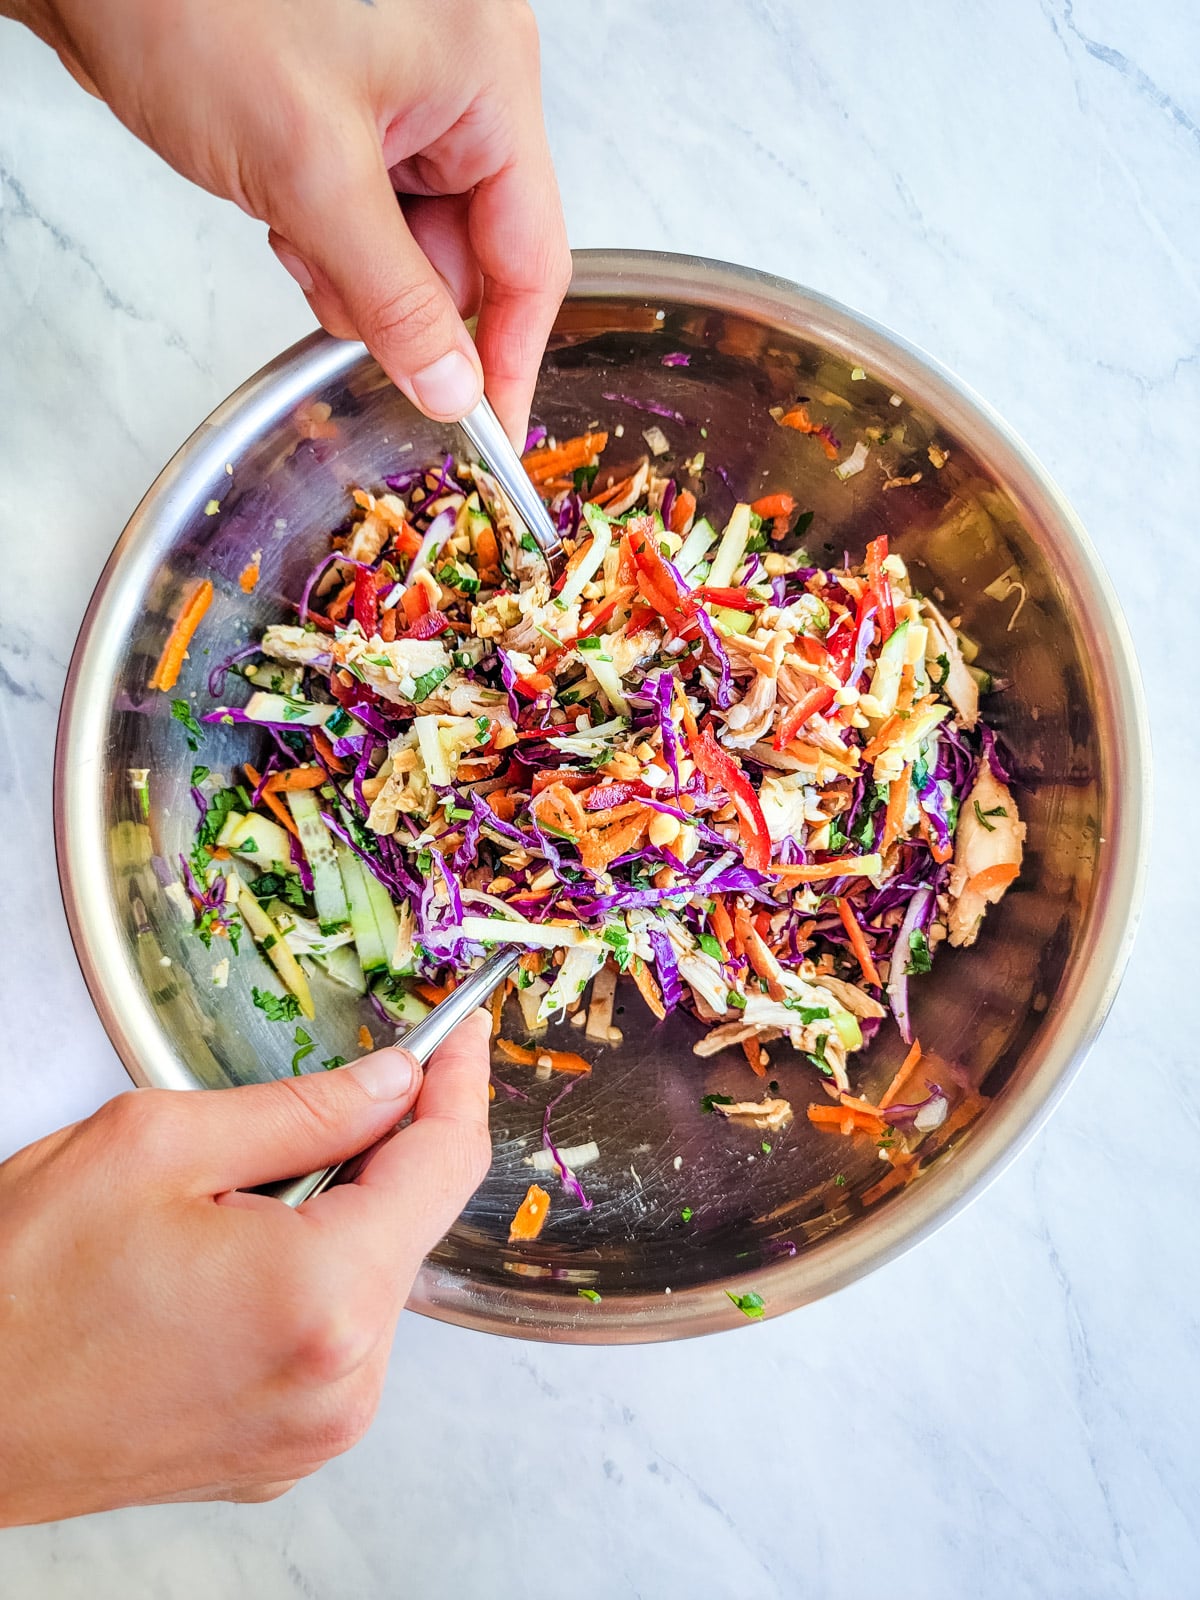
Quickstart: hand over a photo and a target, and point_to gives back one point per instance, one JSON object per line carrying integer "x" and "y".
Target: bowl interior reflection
{"x": 1010, "y": 1015}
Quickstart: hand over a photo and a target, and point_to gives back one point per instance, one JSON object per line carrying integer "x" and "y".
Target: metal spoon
{"x": 492, "y": 444}
{"x": 421, "y": 1040}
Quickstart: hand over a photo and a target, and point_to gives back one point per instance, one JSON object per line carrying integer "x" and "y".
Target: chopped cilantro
{"x": 803, "y": 523}
{"x": 942, "y": 663}
{"x": 198, "y": 776}
{"x": 765, "y": 1147}
{"x": 182, "y": 712}
{"x": 736, "y": 1000}
{"x": 750, "y": 1305}
{"x": 528, "y": 542}
{"x": 755, "y": 543}
{"x": 583, "y": 479}
{"x": 332, "y": 1062}
{"x": 247, "y": 847}
{"x": 708, "y": 1101}
{"x": 589, "y": 1294}
{"x": 817, "y": 1056}
{"x": 306, "y": 1047}
{"x": 276, "y": 1007}
{"x": 524, "y": 978}
{"x": 840, "y": 1180}
{"x": 807, "y": 1014}
{"x": 338, "y": 724}
{"x": 838, "y": 837}
{"x": 982, "y": 816}
{"x": 295, "y": 709}
{"x": 920, "y": 959}
{"x": 920, "y": 772}
{"x": 687, "y": 1213}
{"x": 219, "y": 807}
{"x": 710, "y": 947}
{"x": 279, "y": 885}
{"x": 425, "y": 861}
{"x": 428, "y": 682}
{"x": 483, "y": 729}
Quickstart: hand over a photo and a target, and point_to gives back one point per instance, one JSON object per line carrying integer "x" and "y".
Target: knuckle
{"x": 145, "y": 1120}
{"x": 314, "y": 1105}
{"x": 412, "y": 314}
{"x": 332, "y": 1347}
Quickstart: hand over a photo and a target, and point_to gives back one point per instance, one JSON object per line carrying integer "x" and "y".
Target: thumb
{"x": 282, "y": 1129}
{"x": 344, "y": 239}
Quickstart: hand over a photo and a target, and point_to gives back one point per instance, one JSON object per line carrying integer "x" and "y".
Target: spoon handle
{"x": 492, "y": 444}
{"x": 421, "y": 1040}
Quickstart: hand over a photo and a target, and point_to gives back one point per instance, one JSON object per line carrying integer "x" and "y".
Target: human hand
{"x": 310, "y": 114}
{"x": 165, "y": 1336}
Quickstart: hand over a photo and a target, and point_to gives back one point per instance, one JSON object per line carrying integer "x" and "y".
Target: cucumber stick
{"x": 401, "y": 1006}
{"x": 371, "y": 951}
{"x": 344, "y": 967}
{"x": 333, "y": 912}
{"x": 268, "y": 937}
{"x": 387, "y": 923}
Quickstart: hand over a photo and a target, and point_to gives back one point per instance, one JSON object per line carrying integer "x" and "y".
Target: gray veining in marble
{"x": 1011, "y": 1411}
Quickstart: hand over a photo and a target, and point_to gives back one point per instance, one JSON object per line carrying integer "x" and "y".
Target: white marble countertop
{"x": 1017, "y": 189}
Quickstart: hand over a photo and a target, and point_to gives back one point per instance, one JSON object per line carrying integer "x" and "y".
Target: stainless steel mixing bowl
{"x": 1015, "y": 1015}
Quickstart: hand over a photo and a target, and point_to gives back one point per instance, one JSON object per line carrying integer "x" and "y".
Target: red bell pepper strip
{"x": 730, "y": 599}
{"x": 415, "y": 601}
{"x": 876, "y": 555}
{"x": 428, "y": 626}
{"x": 818, "y": 699}
{"x": 659, "y": 588}
{"x": 366, "y": 601}
{"x": 718, "y": 766}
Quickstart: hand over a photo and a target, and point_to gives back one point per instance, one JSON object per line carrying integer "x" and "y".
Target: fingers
{"x": 414, "y": 1187}
{"x": 342, "y": 234}
{"x": 520, "y": 241}
{"x": 235, "y": 1138}
{"x": 440, "y": 228}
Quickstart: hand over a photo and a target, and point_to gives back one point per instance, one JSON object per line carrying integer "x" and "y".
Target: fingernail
{"x": 449, "y": 387}
{"x": 386, "y": 1075}
{"x": 298, "y": 270}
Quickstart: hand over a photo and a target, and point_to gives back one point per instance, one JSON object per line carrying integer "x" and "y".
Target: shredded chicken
{"x": 960, "y": 687}
{"x": 769, "y": 1115}
{"x": 990, "y": 835}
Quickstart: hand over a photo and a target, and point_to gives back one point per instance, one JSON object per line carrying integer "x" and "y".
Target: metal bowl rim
{"x": 1105, "y": 938}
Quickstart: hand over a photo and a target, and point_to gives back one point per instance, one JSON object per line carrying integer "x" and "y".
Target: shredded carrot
{"x": 614, "y": 491}
{"x": 941, "y": 852}
{"x": 647, "y": 987}
{"x": 497, "y": 1009}
{"x": 435, "y": 993}
{"x": 415, "y": 602}
{"x": 892, "y": 726}
{"x": 845, "y": 1119}
{"x": 336, "y": 610}
{"x": 250, "y": 573}
{"x": 272, "y": 801}
{"x": 530, "y": 1216}
{"x": 365, "y": 1041}
{"x": 487, "y": 551}
{"x": 907, "y": 1067}
{"x": 799, "y": 419}
{"x": 388, "y": 625}
{"x": 721, "y": 925}
{"x": 997, "y": 877}
{"x": 682, "y": 511}
{"x": 560, "y": 1060}
{"x": 858, "y": 942}
{"x": 816, "y": 870}
{"x": 170, "y": 663}
{"x": 296, "y": 778}
{"x": 897, "y": 803}
{"x": 324, "y": 748}
{"x": 542, "y": 464}
{"x": 773, "y": 505}
{"x": 752, "y": 1050}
